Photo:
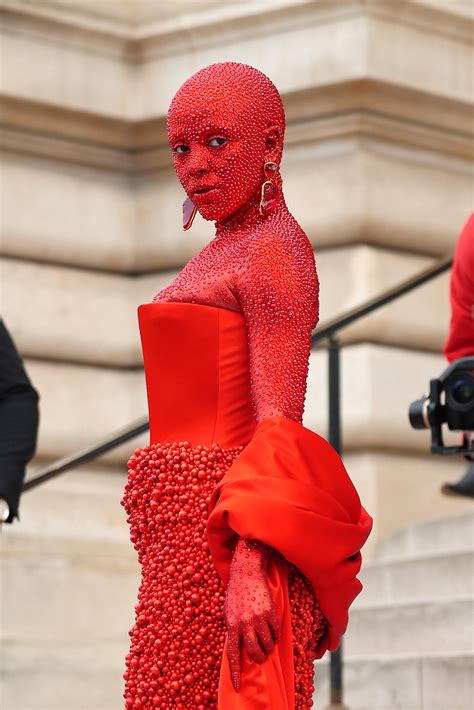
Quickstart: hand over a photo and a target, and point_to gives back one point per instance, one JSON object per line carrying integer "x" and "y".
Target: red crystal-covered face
{"x": 218, "y": 130}
{"x": 219, "y": 151}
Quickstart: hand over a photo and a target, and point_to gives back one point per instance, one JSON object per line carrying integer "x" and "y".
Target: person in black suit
{"x": 19, "y": 419}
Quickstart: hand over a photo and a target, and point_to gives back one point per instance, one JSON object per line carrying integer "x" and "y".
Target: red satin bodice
{"x": 197, "y": 374}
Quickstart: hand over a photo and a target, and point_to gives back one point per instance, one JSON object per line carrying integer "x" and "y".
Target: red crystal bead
{"x": 269, "y": 200}
{"x": 270, "y": 170}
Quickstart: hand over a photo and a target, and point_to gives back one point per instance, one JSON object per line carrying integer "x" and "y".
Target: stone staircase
{"x": 410, "y": 641}
{"x": 69, "y": 580}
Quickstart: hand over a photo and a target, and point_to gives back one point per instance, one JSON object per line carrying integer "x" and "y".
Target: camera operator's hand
{"x": 468, "y": 442}
{"x": 465, "y": 486}
{"x": 4, "y": 511}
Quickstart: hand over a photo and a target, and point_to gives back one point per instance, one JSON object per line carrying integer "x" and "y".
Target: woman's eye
{"x": 215, "y": 142}
{"x": 217, "y": 138}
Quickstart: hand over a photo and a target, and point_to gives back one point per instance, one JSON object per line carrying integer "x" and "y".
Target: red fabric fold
{"x": 289, "y": 488}
{"x": 269, "y": 684}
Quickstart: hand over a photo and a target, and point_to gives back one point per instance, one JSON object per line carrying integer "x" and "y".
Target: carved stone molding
{"x": 360, "y": 107}
{"x": 160, "y": 26}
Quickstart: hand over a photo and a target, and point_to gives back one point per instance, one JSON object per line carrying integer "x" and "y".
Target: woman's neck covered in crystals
{"x": 248, "y": 216}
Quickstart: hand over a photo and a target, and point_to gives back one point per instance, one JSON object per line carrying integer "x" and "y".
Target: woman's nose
{"x": 199, "y": 162}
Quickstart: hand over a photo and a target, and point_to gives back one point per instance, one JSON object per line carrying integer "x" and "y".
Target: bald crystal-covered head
{"x": 223, "y": 124}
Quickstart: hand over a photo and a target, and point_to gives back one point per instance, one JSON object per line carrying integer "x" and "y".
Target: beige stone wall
{"x": 377, "y": 169}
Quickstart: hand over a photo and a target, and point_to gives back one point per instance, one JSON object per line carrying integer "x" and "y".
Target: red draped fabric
{"x": 289, "y": 488}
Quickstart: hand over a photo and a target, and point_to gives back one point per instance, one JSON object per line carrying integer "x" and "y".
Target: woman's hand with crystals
{"x": 249, "y": 608}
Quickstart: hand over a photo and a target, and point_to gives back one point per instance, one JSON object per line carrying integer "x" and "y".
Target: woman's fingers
{"x": 264, "y": 635}
{"x": 259, "y": 638}
{"x": 274, "y": 624}
{"x": 251, "y": 644}
{"x": 233, "y": 654}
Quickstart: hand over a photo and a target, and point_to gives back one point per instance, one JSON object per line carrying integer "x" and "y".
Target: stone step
{"x": 434, "y": 681}
{"x": 448, "y": 533}
{"x": 89, "y": 587}
{"x": 69, "y": 676}
{"x": 49, "y": 674}
{"x": 411, "y": 627}
{"x": 66, "y": 587}
{"x": 434, "y": 577}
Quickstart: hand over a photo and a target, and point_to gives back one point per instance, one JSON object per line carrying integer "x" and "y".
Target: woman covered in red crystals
{"x": 247, "y": 526}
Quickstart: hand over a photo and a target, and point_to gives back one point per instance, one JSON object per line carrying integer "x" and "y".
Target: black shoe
{"x": 464, "y": 487}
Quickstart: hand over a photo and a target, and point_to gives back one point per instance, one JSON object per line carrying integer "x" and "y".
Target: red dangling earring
{"x": 189, "y": 213}
{"x": 268, "y": 199}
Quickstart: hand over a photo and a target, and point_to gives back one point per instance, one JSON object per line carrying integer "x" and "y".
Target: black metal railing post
{"x": 335, "y": 439}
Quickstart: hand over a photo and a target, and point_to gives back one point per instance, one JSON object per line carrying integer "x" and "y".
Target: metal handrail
{"x": 88, "y": 454}
{"x": 130, "y": 431}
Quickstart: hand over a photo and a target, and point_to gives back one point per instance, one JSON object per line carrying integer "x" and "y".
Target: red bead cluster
{"x": 178, "y": 637}
{"x": 308, "y": 624}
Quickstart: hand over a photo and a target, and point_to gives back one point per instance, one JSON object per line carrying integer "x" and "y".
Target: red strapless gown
{"x": 209, "y": 475}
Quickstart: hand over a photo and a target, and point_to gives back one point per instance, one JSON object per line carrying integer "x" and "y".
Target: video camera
{"x": 451, "y": 402}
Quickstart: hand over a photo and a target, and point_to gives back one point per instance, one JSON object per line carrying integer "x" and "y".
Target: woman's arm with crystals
{"x": 278, "y": 291}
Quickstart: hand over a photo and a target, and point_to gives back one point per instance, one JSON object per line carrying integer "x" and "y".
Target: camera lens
{"x": 418, "y": 413}
{"x": 462, "y": 389}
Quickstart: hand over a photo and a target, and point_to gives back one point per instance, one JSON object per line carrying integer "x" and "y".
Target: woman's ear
{"x": 272, "y": 143}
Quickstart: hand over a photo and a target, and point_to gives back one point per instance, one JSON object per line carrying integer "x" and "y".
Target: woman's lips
{"x": 204, "y": 192}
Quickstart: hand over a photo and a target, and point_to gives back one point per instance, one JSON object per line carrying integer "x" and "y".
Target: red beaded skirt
{"x": 177, "y": 641}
